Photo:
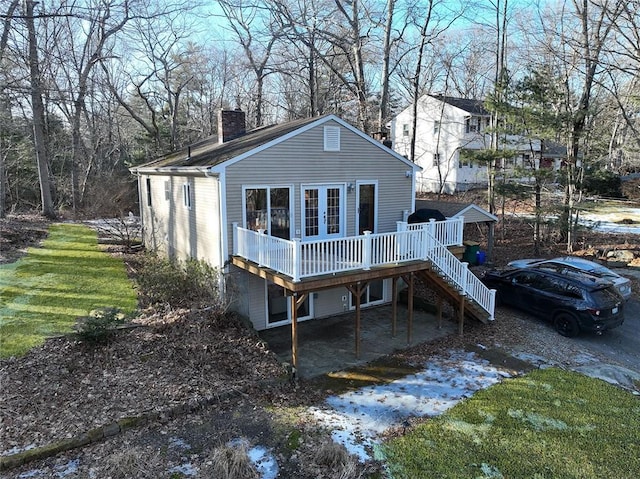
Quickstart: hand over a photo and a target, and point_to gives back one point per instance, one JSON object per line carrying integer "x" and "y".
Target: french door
{"x": 323, "y": 211}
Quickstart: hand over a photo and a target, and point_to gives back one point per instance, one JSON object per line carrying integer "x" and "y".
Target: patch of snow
{"x": 179, "y": 443}
{"x": 71, "y": 467}
{"x": 32, "y": 473}
{"x": 17, "y": 450}
{"x": 186, "y": 469}
{"x": 61, "y": 470}
{"x": 264, "y": 461}
{"x": 358, "y": 418}
{"x": 261, "y": 457}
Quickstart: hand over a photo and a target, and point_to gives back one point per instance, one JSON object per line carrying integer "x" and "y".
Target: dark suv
{"x": 573, "y": 302}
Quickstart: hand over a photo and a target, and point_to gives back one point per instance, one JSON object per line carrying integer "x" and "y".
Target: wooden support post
{"x": 294, "y": 337}
{"x": 356, "y": 290}
{"x": 296, "y": 301}
{"x": 461, "y": 316}
{"x": 394, "y": 305}
{"x": 409, "y": 280}
{"x": 439, "y": 312}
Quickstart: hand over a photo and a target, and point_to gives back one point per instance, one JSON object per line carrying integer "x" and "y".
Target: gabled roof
{"x": 452, "y": 210}
{"x": 208, "y": 153}
{"x": 471, "y": 106}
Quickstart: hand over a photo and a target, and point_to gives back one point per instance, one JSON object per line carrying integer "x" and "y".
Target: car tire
{"x": 566, "y": 325}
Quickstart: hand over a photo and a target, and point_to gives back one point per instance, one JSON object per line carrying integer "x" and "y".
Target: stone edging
{"x": 109, "y": 430}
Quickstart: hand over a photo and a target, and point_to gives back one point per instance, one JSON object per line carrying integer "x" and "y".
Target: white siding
{"x": 172, "y": 228}
{"x": 446, "y": 142}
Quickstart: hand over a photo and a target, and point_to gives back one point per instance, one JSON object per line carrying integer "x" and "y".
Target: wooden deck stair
{"x": 438, "y": 282}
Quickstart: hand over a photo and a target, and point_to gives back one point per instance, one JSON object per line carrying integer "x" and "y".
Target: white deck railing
{"x": 299, "y": 260}
{"x": 449, "y": 232}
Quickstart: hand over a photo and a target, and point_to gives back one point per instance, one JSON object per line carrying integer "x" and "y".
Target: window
{"x": 331, "y": 138}
{"x": 471, "y": 124}
{"x": 269, "y": 209}
{"x": 148, "y": 182}
{"x": 436, "y": 127}
{"x": 167, "y": 190}
{"x": 462, "y": 162}
{"x": 405, "y": 129}
{"x": 436, "y": 159}
{"x": 186, "y": 195}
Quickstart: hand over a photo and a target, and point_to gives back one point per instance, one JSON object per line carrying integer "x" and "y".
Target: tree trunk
{"x": 5, "y": 108}
{"x": 383, "y": 111}
{"x": 416, "y": 82}
{"x": 38, "y": 115}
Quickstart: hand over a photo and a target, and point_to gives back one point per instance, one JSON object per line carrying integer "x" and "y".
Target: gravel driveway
{"x": 613, "y": 356}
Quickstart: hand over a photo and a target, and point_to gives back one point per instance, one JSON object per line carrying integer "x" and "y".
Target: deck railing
{"x": 449, "y": 232}
{"x": 299, "y": 260}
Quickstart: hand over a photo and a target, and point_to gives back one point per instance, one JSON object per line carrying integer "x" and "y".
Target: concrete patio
{"x": 326, "y": 345}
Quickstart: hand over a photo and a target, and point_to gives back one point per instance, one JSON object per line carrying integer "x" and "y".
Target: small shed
{"x": 472, "y": 213}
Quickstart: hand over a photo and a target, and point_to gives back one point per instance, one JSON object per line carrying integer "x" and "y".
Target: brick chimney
{"x": 231, "y": 125}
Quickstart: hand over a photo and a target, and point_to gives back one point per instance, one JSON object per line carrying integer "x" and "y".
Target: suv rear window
{"x": 605, "y": 295}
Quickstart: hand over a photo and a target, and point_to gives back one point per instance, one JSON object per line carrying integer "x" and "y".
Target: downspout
{"x": 222, "y": 216}
{"x": 142, "y": 228}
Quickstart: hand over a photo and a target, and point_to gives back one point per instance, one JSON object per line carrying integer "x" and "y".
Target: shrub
{"x": 229, "y": 462}
{"x": 99, "y": 326}
{"x": 603, "y": 183}
{"x": 179, "y": 283}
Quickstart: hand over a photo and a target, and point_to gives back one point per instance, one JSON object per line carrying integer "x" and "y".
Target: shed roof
{"x": 471, "y": 212}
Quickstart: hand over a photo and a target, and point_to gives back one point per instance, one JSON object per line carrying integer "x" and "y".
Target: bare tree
{"x": 77, "y": 56}
{"x": 257, "y": 44}
{"x": 5, "y": 109}
{"x": 39, "y": 137}
{"x": 595, "y": 22}
{"x": 151, "y": 88}
{"x": 336, "y": 32}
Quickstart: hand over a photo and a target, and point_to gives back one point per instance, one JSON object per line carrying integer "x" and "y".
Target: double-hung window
{"x": 186, "y": 195}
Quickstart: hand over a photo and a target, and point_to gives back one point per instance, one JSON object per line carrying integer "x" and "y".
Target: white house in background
{"x": 306, "y": 220}
{"x": 448, "y": 125}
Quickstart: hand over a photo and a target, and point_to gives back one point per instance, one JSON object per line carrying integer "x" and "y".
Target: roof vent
{"x": 331, "y": 138}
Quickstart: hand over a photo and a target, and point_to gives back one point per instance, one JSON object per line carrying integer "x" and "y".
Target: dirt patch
{"x": 18, "y": 232}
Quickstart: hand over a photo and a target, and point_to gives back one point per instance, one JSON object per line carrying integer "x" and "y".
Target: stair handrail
{"x": 458, "y": 273}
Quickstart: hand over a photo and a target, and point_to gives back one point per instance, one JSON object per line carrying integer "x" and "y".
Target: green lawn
{"x": 44, "y": 292}
{"x": 547, "y": 424}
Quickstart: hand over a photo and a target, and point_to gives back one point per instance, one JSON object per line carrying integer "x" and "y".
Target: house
{"x": 445, "y": 127}
{"x": 306, "y": 220}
